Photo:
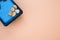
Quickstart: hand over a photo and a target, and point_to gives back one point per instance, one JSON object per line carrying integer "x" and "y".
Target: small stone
{"x": 12, "y": 9}
{"x": 12, "y": 13}
{"x": 17, "y": 11}
{"x": 15, "y": 6}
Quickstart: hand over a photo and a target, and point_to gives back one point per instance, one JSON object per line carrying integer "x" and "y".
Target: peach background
{"x": 40, "y": 21}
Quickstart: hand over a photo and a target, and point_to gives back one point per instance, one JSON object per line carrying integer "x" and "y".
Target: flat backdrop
{"x": 40, "y": 21}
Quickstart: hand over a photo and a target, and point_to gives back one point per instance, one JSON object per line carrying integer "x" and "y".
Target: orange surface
{"x": 40, "y": 21}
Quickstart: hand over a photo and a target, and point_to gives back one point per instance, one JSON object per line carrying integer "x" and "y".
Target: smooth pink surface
{"x": 40, "y": 21}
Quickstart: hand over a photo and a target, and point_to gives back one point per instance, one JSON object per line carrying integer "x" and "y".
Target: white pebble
{"x": 15, "y": 6}
{"x": 17, "y": 11}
